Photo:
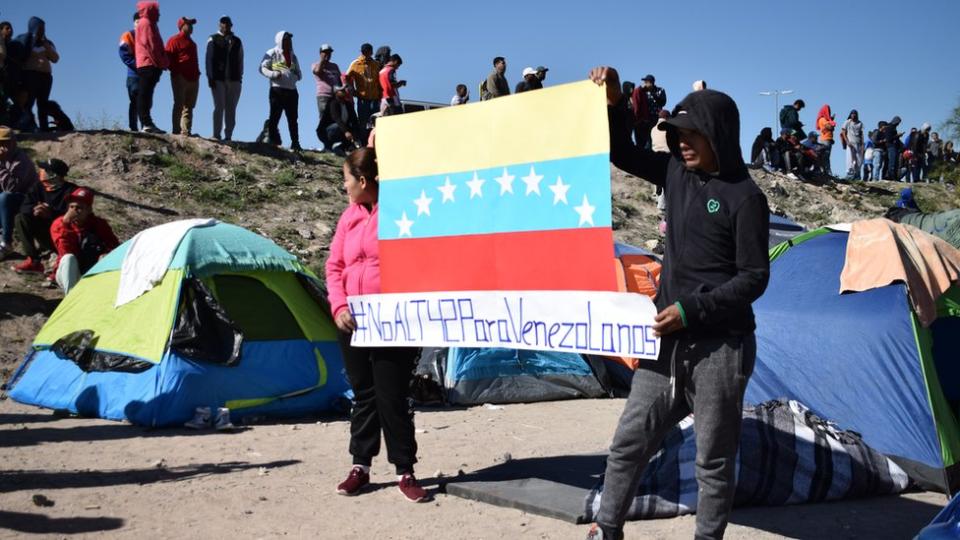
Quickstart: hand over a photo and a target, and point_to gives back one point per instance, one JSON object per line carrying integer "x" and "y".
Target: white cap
{"x": 529, "y": 71}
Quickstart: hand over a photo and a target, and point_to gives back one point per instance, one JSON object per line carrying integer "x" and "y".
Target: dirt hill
{"x": 144, "y": 180}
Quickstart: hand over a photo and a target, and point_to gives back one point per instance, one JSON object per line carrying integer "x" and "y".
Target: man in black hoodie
{"x": 891, "y": 140}
{"x": 715, "y": 266}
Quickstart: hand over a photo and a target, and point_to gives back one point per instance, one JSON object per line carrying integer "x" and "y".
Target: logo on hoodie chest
{"x": 713, "y": 206}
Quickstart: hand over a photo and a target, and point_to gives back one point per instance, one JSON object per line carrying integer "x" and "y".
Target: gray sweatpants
{"x": 710, "y": 378}
{"x": 226, "y": 95}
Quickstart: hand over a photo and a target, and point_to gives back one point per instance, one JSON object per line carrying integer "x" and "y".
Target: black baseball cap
{"x": 542, "y": 68}
{"x": 650, "y": 78}
{"x": 226, "y": 20}
{"x": 54, "y": 166}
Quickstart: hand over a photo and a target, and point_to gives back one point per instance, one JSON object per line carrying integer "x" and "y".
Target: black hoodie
{"x": 716, "y": 262}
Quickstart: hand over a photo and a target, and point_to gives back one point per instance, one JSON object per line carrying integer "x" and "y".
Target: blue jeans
{"x": 893, "y": 164}
{"x": 877, "y": 165}
{"x": 365, "y": 109}
{"x": 133, "y": 90}
{"x": 9, "y": 206}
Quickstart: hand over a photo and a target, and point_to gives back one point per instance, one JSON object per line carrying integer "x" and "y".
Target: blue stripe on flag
{"x": 558, "y": 194}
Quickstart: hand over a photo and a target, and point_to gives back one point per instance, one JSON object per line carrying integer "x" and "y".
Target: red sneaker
{"x": 411, "y": 488}
{"x": 28, "y": 266}
{"x": 356, "y": 480}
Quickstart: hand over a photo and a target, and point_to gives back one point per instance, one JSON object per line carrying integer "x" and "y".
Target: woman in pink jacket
{"x": 380, "y": 377}
{"x": 151, "y": 61}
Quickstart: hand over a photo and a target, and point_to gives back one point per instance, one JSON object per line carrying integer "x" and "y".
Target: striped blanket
{"x": 787, "y": 456}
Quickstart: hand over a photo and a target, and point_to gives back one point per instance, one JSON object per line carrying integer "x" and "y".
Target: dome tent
{"x": 235, "y": 322}
{"x": 862, "y": 360}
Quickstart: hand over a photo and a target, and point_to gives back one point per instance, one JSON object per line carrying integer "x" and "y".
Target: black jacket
{"x": 224, "y": 57}
{"x": 716, "y": 262}
{"x": 525, "y": 85}
{"x": 57, "y": 199}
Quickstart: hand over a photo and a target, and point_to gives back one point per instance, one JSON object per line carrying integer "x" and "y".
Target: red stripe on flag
{"x": 567, "y": 259}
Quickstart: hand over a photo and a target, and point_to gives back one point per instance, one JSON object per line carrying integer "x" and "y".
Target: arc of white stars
{"x": 506, "y": 181}
{"x": 559, "y": 190}
{"x": 404, "y": 224}
{"x": 423, "y": 203}
{"x": 476, "y": 186}
{"x": 585, "y": 210}
{"x": 447, "y": 190}
{"x": 532, "y": 181}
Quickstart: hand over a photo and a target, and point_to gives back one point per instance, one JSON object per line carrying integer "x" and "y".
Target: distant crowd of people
{"x": 886, "y": 153}
{"x": 26, "y": 79}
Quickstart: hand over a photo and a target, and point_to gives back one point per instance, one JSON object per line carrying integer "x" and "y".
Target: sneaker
{"x": 5, "y": 251}
{"x": 152, "y": 129}
{"x": 792, "y": 176}
{"x": 222, "y": 423}
{"x": 356, "y": 480}
{"x": 200, "y": 420}
{"x": 597, "y": 533}
{"x": 28, "y": 266}
{"x": 411, "y": 489}
{"x": 295, "y": 148}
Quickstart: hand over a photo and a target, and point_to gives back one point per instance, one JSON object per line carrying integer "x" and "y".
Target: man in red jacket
{"x": 184, "y": 75}
{"x": 81, "y": 239}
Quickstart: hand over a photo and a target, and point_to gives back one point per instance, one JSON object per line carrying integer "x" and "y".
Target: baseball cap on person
{"x": 326, "y": 47}
{"x": 650, "y": 78}
{"x": 81, "y": 195}
{"x": 541, "y": 68}
{"x": 226, "y": 20}
{"x": 55, "y": 167}
{"x": 680, "y": 119}
{"x": 529, "y": 71}
{"x": 183, "y": 20}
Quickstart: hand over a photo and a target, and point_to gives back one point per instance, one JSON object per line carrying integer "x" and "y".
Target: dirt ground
{"x": 277, "y": 481}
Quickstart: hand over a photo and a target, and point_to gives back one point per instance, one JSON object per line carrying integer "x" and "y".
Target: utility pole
{"x": 776, "y": 110}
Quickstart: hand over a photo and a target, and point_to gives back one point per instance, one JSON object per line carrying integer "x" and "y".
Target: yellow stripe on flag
{"x": 558, "y": 122}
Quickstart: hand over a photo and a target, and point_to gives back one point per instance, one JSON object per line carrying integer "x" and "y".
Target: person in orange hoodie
{"x": 184, "y": 76}
{"x": 151, "y": 61}
{"x": 826, "y": 125}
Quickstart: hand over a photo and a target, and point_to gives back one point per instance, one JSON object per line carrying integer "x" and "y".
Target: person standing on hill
{"x": 37, "y": 70}
{"x": 851, "y": 137}
{"x": 390, "y": 86}
{"x": 151, "y": 61}
{"x": 790, "y": 119}
{"x": 184, "y": 76}
{"x": 224, "y": 63}
{"x": 282, "y": 67}
{"x": 496, "y": 84}
{"x": 716, "y": 264}
{"x": 327, "y": 76}
{"x": 826, "y": 125}
{"x": 461, "y": 97}
{"x": 128, "y": 56}
{"x": 892, "y": 144}
{"x": 363, "y": 79}
{"x": 648, "y": 100}
{"x": 529, "y": 81}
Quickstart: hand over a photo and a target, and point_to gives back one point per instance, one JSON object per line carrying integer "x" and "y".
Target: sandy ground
{"x": 277, "y": 481}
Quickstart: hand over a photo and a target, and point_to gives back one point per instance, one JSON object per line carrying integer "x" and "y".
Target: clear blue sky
{"x": 882, "y": 57}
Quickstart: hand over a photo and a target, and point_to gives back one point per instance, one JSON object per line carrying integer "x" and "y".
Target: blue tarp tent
{"x": 862, "y": 360}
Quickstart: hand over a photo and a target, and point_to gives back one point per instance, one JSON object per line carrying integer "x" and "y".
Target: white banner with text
{"x": 588, "y": 322}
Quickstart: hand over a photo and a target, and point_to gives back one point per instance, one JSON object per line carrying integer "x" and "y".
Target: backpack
{"x": 484, "y": 95}
{"x": 784, "y": 116}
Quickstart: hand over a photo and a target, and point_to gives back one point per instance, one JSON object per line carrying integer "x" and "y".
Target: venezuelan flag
{"x": 508, "y": 194}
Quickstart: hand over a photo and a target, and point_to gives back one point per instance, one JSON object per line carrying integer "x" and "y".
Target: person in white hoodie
{"x": 281, "y": 66}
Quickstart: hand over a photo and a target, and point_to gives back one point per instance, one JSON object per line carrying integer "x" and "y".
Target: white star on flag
{"x": 475, "y": 185}
{"x": 586, "y": 211}
{"x": 447, "y": 189}
{"x": 532, "y": 181}
{"x": 423, "y": 203}
{"x": 559, "y": 191}
{"x": 506, "y": 181}
{"x": 404, "y": 224}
